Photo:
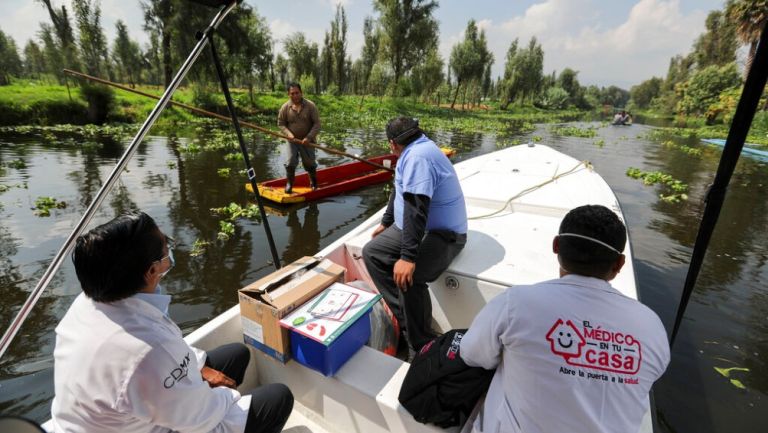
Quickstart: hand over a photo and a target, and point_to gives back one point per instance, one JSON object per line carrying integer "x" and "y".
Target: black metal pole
{"x": 251, "y": 172}
{"x": 742, "y": 120}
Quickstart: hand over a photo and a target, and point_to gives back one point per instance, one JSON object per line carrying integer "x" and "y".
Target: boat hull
{"x": 331, "y": 181}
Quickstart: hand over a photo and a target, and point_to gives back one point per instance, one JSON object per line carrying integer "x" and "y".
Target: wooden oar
{"x": 227, "y": 119}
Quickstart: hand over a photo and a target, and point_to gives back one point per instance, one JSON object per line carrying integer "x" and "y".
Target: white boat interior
{"x": 509, "y": 248}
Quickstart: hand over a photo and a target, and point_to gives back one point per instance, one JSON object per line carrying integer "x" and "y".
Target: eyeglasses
{"x": 170, "y": 243}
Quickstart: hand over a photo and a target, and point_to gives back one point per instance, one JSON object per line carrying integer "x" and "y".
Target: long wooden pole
{"x": 225, "y": 118}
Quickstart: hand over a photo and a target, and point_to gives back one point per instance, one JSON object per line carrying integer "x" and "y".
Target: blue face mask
{"x": 171, "y": 260}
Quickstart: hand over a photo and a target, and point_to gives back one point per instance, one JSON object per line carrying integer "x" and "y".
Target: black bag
{"x": 439, "y": 387}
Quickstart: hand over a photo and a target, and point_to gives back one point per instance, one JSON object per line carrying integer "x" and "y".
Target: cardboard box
{"x": 266, "y": 301}
{"x": 330, "y": 328}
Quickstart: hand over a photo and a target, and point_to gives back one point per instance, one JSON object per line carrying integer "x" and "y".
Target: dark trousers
{"x": 271, "y": 404}
{"x": 413, "y": 308}
{"x": 306, "y": 153}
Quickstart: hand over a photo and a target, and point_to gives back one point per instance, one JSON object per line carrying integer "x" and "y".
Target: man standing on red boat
{"x": 299, "y": 119}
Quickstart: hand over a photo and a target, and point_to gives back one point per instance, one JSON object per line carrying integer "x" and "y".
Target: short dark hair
{"x": 403, "y": 130}
{"x": 582, "y": 256}
{"x": 294, "y": 84}
{"x": 110, "y": 260}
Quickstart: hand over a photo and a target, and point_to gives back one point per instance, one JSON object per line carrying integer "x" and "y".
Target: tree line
{"x": 706, "y": 82}
{"x": 399, "y": 57}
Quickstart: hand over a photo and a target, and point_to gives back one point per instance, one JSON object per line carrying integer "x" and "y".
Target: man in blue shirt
{"x": 422, "y": 231}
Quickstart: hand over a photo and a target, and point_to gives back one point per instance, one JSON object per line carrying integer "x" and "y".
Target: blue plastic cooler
{"x": 328, "y": 359}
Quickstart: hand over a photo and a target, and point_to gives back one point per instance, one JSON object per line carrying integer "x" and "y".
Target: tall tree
{"x": 717, "y": 45}
{"x": 370, "y": 51}
{"x": 126, "y": 55}
{"x": 339, "y": 47}
{"x": 645, "y": 92}
{"x": 253, "y": 54}
{"x": 523, "y": 72}
{"x": 510, "y": 84}
{"x": 428, "y": 76}
{"x": 93, "y": 43}
{"x": 34, "y": 61}
{"x": 470, "y": 57}
{"x": 158, "y": 17}
{"x": 568, "y": 81}
{"x": 409, "y": 31}
{"x": 10, "y": 62}
{"x": 326, "y": 62}
{"x": 749, "y": 17}
{"x": 302, "y": 56}
{"x": 54, "y": 58}
{"x": 59, "y": 41}
{"x": 281, "y": 68}
{"x": 153, "y": 59}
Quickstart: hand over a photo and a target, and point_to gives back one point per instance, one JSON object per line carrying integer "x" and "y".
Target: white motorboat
{"x": 515, "y": 198}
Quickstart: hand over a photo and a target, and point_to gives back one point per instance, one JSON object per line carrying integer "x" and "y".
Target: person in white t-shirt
{"x": 571, "y": 354}
{"x": 121, "y": 364}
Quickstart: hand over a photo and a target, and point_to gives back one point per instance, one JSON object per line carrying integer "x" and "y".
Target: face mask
{"x": 171, "y": 262}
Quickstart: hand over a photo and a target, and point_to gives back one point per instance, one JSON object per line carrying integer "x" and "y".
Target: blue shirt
{"x": 423, "y": 169}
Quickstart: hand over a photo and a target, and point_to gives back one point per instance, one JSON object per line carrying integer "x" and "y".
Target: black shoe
{"x": 312, "y": 178}
{"x": 290, "y": 173}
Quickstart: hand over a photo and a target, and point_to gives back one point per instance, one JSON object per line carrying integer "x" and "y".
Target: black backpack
{"x": 439, "y": 387}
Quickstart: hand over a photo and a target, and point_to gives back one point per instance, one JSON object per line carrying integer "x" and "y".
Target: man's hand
{"x": 378, "y": 230}
{"x": 216, "y": 378}
{"x": 304, "y": 141}
{"x": 403, "y": 274}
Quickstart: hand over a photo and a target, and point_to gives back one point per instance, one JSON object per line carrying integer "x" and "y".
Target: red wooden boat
{"x": 332, "y": 180}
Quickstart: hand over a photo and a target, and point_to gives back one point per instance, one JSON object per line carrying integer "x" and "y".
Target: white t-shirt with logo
{"x": 572, "y": 355}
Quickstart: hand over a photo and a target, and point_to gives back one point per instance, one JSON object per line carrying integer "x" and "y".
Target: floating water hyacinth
{"x": 726, "y": 372}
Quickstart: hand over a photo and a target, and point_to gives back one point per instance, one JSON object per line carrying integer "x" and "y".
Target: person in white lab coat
{"x": 571, "y": 354}
{"x": 121, "y": 364}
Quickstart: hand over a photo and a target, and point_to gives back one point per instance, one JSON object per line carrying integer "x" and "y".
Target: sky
{"x": 609, "y": 42}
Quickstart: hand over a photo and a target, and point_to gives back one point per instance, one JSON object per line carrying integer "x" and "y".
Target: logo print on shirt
{"x": 177, "y": 373}
{"x": 598, "y": 348}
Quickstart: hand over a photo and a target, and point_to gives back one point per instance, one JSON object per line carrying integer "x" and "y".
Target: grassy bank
{"x": 30, "y": 102}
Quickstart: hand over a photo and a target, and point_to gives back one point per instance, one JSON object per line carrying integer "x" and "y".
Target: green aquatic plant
{"x": 199, "y": 247}
{"x": 681, "y": 147}
{"x": 233, "y": 211}
{"x": 226, "y": 230}
{"x": 654, "y": 177}
{"x": 600, "y": 142}
{"x": 17, "y": 164}
{"x": 726, "y": 372}
{"x": 573, "y": 131}
{"x": 44, "y": 205}
{"x": 171, "y": 164}
{"x": 224, "y": 172}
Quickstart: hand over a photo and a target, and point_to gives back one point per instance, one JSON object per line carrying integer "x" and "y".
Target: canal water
{"x": 718, "y": 378}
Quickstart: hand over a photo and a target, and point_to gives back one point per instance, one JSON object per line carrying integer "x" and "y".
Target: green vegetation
{"x": 199, "y": 247}
{"x": 653, "y": 177}
{"x": 44, "y": 205}
{"x": 574, "y": 131}
{"x": 683, "y": 148}
{"x": 226, "y": 230}
{"x": 703, "y": 86}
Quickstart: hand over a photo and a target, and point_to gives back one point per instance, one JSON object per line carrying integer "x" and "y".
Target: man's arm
{"x": 389, "y": 215}
{"x": 415, "y": 212}
{"x": 282, "y": 121}
{"x": 314, "y": 115}
{"x": 481, "y": 346}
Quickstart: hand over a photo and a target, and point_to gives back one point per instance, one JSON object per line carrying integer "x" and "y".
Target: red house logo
{"x": 565, "y": 339}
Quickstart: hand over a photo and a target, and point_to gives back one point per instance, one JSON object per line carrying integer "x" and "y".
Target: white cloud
{"x": 572, "y": 36}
